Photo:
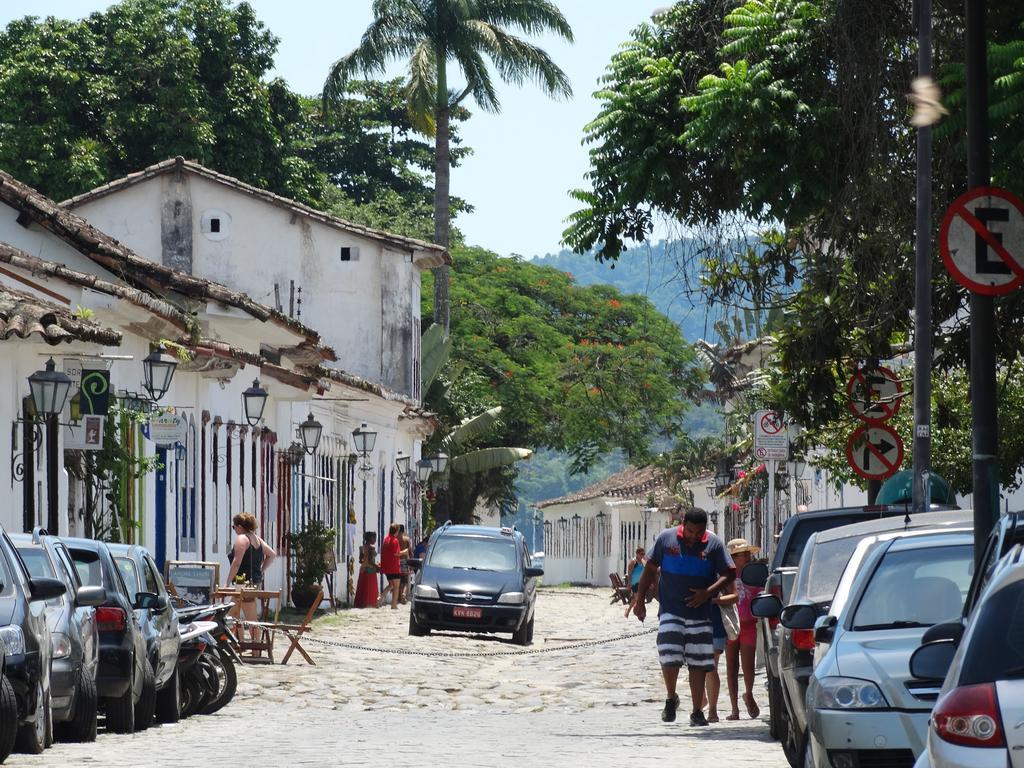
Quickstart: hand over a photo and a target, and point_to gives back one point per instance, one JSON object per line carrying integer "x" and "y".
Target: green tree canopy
{"x": 777, "y": 132}
{"x": 585, "y": 370}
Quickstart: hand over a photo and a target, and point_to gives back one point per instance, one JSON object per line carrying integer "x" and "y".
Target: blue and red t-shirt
{"x": 685, "y": 568}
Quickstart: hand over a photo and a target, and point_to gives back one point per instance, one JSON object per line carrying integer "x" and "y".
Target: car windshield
{"x": 39, "y": 567}
{"x": 474, "y": 553}
{"x": 805, "y": 528}
{"x": 129, "y": 572}
{"x": 916, "y": 588}
{"x": 827, "y": 561}
{"x": 996, "y": 650}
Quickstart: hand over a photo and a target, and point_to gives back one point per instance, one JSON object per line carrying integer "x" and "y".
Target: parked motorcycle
{"x": 207, "y": 660}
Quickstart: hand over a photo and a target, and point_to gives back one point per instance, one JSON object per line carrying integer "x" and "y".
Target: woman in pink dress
{"x": 741, "y": 651}
{"x": 366, "y": 588}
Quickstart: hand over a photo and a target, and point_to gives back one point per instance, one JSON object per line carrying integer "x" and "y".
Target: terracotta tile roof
{"x": 208, "y": 353}
{"x": 23, "y": 315}
{"x": 358, "y": 382}
{"x": 440, "y": 255}
{"x": 129, "y": 266}
{"x": 163, "y": 309}
{"x": 632, "y": 482}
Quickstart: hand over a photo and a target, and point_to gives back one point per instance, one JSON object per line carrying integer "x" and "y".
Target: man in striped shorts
{"x": 694, "y": 567}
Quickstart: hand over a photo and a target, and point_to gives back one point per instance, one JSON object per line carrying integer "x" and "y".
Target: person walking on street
{"x": 366, "y": 588}
{"x": 741, "y": 651}
{"x": 403, "y": 564}
{"x": 635, "y": 570}
{"x": 713, "y": 685}
{"x": 391, "y": 563}
{"x": 694, "y": 568}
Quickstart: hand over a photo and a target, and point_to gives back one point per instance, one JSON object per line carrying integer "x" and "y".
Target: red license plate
{"x": 463, "y": 612}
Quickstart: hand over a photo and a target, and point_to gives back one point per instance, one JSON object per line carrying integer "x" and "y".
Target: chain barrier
{"x": 460, "y": 654}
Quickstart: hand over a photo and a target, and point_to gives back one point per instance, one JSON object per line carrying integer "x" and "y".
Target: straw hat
{"x": 737, "y": 546}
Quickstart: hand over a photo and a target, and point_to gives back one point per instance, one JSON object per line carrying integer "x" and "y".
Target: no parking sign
{"x": 981, "y": 240}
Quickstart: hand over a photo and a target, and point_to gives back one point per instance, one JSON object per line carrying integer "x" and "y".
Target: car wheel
{"x": 529, "y": 632}
{"x": 120, "y": 712}
{"x": 776, "y": 705}
{"x": 522, "y": 635}
{"x": 8, "y": 718}
{"x": 82, "y": 726}
{"x": 32, "y": 736}
{"x": 227, "y": 684}
{"x": 793, "y": 744}
{"x": 415, "y": 628}
{"x": 168, "y": 701}
{"x": 146, "y": 706}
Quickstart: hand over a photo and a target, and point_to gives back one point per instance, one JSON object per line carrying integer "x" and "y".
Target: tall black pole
{"x": 983, "y": 353}
{"x": 923, "y": 279}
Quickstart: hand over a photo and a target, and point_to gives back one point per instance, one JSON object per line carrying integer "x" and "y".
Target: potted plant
{"x": 312, "y": 553}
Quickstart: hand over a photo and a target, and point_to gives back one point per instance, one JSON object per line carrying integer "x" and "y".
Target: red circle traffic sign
{"x": 875, "y": 451}
{"x": 874, "y": 395}
{"x": 772, "y": 423}
{"x": 981, "y": 240}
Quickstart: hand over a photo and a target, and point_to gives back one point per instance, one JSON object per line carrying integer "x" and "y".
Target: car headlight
{"x": 13, "y": 640}
{"x": 425, "y": 590}
{"x": 516, "y": 598}
{"x": 844, "y": 693}
{"x": 61, "y": 645}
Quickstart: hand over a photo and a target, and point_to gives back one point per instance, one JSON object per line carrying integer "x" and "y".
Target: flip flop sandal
{"x": 752, "y": 709}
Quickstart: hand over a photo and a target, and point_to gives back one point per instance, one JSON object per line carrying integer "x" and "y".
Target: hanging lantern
{"x": 310, "y": 431}
{"x": 50, "y": 389}
{"x": 254, "y": 400}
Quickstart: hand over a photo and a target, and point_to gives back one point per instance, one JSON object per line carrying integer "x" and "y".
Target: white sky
{"x": 525, "y": 159}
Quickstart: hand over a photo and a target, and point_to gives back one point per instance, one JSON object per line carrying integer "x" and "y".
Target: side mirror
{"x": 799, "y": 616}
{"x": 755, "y": 575}
{"x": 45, "y": 589}
{"x": 90, "y": 597}
{"x": 146, "y": 601}
{"x": 947, "y": 630}
{"x": 414, "y": 563}
{"x": 932, "y": 660}
{"x": 533, "y": 573}
{"x": 766, "y": 607}
{"x": 825, "y": 629}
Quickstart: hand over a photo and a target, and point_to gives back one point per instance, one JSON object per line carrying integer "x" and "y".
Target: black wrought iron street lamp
{"x": 439, "y": 463}
{"x": 423, "y": 469}
{"x": 363, "y": 440}
{"x": 295, "y": 453}
{"x": 50, "y": 389}
{"x": 310, "y": 431}
{"x": 254, "y": 400}
{"x": 403, "y": 465}
{"x": 157, "y": 371}
{"x": 723, "y": 479}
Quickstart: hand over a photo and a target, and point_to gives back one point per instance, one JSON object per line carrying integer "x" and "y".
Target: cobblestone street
{"x": 598, "y": 704}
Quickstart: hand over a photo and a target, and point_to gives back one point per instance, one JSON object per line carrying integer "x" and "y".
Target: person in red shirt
{"x": 391, "y": 554}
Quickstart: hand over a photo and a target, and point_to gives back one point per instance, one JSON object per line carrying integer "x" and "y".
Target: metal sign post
{"x": 771, "y": 445}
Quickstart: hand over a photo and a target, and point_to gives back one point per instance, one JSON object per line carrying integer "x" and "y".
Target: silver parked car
{"x": 863, "y": 707}
{"x": 978, "y": 721}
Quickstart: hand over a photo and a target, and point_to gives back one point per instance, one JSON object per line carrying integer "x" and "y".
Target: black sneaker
{"x": 668, "y": 714}
{"x": 698, "y": 719}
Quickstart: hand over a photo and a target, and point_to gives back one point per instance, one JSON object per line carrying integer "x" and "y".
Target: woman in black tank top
{"x": 250, "y": 558}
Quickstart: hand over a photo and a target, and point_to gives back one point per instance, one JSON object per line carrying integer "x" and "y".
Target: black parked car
{"x": 125, "y": 681}
{"x": 26, "y": 640}
{"x": 159, "y": 625}
{"x": 475, "y": 579}
{"x": 74, "y": 635}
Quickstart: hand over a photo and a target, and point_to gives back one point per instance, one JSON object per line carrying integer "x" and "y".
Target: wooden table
{"x": 253, "y": 650}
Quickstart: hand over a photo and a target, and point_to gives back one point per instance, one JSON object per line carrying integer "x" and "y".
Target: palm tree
{"x": 432, "y": 33}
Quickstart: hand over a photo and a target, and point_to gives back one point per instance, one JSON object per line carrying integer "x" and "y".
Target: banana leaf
{"x": 488, "y": 458}
{"x": 435, "y": 349}
{"x": 472, "y": 427}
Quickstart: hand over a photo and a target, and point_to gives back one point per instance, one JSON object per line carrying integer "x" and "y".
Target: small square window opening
{"x": 215, "y": 225}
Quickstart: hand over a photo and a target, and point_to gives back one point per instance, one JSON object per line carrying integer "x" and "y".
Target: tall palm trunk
{"x": 442, "y": 182}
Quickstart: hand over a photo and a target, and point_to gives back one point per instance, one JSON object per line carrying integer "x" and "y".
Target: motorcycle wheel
{"x": 193, "y": 692}
{"x": 227, "y": 682}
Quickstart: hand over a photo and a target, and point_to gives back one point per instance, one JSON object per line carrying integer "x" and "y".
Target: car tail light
{"x": 803, "y": 639}
{"x": 969, "y": 716}
{"x": 110, "y": 619}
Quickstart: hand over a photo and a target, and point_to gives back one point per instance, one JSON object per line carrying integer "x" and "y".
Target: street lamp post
{"x": 646, "y": 513}
{"x": 254, "y": 400}
{"x": 157, "y": 371}
{"x": 363, "y": 441}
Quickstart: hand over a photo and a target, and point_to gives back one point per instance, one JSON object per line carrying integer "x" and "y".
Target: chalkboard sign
{"x": 193, "y": 580}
